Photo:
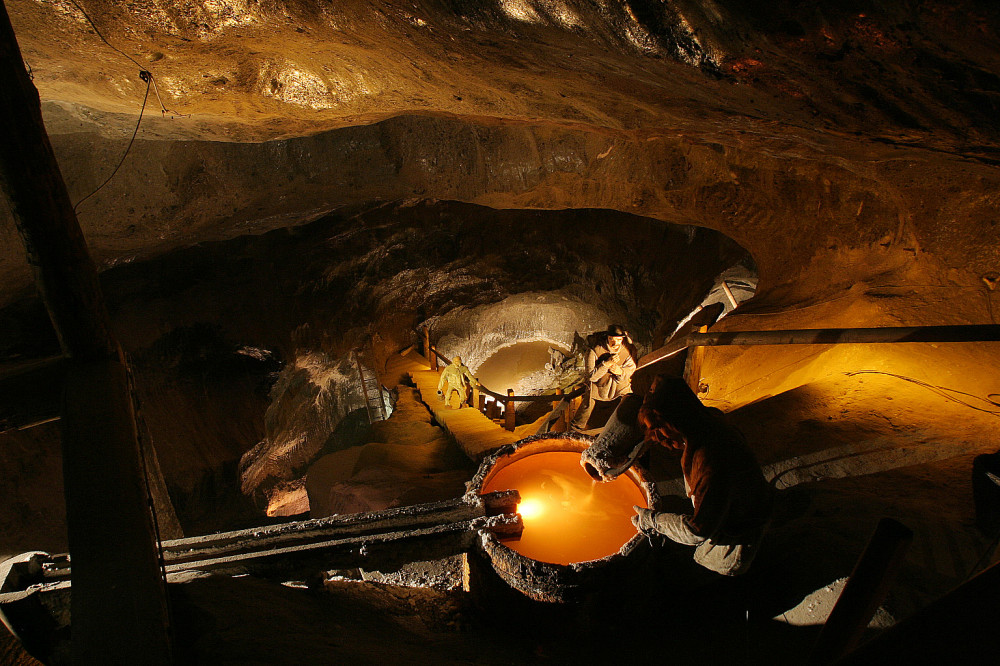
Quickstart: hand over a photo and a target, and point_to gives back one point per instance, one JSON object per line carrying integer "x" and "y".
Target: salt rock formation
{"x": 408, "y": 461}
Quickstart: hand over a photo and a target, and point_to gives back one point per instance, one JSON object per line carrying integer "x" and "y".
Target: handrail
{"x": 477, "y": 401}
{"x": 545, "y": 397}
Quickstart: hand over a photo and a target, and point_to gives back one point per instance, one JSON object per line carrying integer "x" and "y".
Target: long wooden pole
{"x": 835, "y": 336}
{"x": 814, "y": 336}
{"x": 118, "y": 609}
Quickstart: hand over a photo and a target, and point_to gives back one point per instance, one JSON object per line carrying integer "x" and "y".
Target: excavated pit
{"x": 578, "y": 537}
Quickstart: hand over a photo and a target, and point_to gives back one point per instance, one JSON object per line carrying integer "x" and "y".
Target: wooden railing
{"x": 478, "y": 399}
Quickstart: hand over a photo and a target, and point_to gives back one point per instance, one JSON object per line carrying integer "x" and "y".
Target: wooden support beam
{"x": 118, "y": 609}
{"x": 57, "y": 252}
{"x": 693, "y": 363}
{"x": 863, "y": 592}
{"x": 428, "y": 353}
{"x": 276, "y": 549}
{"x": 119, "y": 602}
{"x": 31, "y": 394}
{"x": 32, "y": 592}
{"x": 509, "y": 411}
{"x": 958, "y": 628}
{"x": 834, "y": 336}
{"x": 661, "y": 359}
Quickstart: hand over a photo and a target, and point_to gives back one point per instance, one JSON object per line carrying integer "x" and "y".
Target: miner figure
{"x": 608, "y": 372}
{"x": 456, "y": 378}
{"x": 730, "y": 498}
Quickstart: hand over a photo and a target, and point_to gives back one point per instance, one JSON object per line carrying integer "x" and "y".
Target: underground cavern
{"x": 314, "y": 187}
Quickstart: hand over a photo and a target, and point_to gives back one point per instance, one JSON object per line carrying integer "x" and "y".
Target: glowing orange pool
{"x": 568, "y": 517}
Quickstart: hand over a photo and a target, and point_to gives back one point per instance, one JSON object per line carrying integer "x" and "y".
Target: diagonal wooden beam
{"x": 119, "y": 605}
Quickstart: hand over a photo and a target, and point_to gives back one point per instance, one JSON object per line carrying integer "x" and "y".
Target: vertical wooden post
{"x": 571, "y": 409}
{"x": 482, "y": 403}
{"x": 508, "y": 411}
{"x": 428, "y": 353}
{"x": 559, "y": 425}
{"x": 692, "y": 368}
{"x": 474, "y": 400}
{"x": 118, "y": 607}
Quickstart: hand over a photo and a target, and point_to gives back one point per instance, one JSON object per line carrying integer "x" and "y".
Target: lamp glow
{"x": 530, "y": 508}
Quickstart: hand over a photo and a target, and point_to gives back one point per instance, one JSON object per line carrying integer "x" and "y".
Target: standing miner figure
{"x": 455, "y": 378}
{"x": 608, "y": 372}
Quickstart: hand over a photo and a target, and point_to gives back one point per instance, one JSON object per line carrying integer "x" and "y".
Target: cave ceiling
{"x": 835, "y": 139}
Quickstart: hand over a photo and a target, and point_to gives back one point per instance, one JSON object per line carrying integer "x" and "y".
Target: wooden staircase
{"x": 372, "y": 389}
{"x": 475, "y": 434}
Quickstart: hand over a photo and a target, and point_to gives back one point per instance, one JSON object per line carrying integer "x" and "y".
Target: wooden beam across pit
{"x": 386, "y": 538}
{"x": 33, "y": 590}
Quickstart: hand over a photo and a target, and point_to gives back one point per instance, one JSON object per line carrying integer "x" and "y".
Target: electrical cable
{"x": 145, "y": 75}
{"x": 943, "y": 391}
{"x": 163, "y": 109}
{"x": 113, "y": 47}
{"x": 148, "y": 78}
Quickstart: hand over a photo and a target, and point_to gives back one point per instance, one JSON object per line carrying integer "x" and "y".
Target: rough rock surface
{"x": 408, "y": 461}
{"x": 330, "y": 172}
{"x": 864, "y": 129}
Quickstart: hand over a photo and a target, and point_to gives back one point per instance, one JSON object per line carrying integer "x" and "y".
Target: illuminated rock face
{"x": 775, "y": 124}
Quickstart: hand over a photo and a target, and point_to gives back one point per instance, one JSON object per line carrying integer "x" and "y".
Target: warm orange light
{"x": 530, "y": 508}
{"x": 568, "y": 517}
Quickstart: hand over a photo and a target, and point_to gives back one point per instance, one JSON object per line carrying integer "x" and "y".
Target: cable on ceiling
{"x": 148, "y": 78}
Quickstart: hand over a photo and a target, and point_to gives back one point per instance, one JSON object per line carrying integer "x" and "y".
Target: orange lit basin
{"x": 578, "y": 535}
{"x": 568, "y": 517}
